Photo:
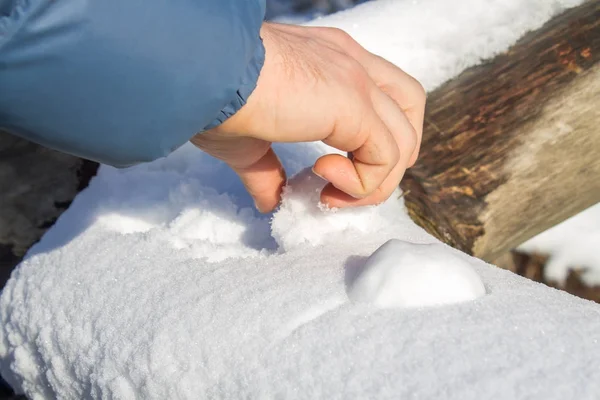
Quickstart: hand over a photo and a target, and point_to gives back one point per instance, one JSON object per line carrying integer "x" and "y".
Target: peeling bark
{"x": 512, "y": 147}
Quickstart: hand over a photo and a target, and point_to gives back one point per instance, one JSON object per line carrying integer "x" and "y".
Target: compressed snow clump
{"x": 403, "y": 274}
{"x": 303, "y": 220}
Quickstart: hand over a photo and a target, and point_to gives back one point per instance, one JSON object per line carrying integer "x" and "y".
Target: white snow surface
{"x": 572, "y": 244}
{"x": 161, "y": 282}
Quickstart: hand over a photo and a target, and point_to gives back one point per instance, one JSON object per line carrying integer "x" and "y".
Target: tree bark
{"x": 512, "y": 147}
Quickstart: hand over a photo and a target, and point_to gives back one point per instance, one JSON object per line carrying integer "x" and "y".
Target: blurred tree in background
{"x": 306, "y": 9}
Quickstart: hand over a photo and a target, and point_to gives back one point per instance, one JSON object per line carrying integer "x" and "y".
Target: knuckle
{"x": 340, "y": 36}
{"x": 418, "y": 90}
{"x": 352, "y": 71}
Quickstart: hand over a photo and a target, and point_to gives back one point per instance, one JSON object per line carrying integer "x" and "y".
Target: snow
{"x": 403, "y": 274}
{"x": 162, "y": 282}
{"x": 571, "y": 244}
{"x": 434, "y": 40}
{"x": 398, "y": 274}
{"x": 303, "y": 220}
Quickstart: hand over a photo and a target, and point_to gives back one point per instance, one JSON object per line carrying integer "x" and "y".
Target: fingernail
{"x": 317, "y": 174}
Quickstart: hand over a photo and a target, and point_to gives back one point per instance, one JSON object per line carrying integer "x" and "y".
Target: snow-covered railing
{"x": 161, "y": 282}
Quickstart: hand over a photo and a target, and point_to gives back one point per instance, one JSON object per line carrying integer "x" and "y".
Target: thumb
{"x": 253, "y": 160}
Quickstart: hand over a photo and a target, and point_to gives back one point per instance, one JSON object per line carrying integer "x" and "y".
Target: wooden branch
{"x": 512, "y": 147}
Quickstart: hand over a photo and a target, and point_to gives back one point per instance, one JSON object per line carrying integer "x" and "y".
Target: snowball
{"x": 403, "y": 274}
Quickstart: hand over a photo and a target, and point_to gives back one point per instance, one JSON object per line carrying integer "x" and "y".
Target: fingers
{"x": 382, "y": 148}
{"x": 253, "y": 160}
{"x": 375, "y": 154}
{"x": 404, "y": 138}
{"x": 402, "y": 88}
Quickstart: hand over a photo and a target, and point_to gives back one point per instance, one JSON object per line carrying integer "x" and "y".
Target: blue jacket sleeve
{"x": 125, "y": 81}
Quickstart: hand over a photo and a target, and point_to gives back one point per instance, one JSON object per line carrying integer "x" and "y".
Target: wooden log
{"x": 512, "y": 147}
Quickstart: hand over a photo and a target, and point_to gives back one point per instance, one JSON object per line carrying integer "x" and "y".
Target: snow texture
{"x": 161, "y": 282}
{"x": 403, "y": 274}
{"x": 302, "y": 220}
{"x": 572, "y": 244}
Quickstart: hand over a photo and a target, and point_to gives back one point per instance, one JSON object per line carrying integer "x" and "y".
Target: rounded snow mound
{"x": 403, "y": 274}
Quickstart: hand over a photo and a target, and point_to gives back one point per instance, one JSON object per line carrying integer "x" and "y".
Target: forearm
{"x": 123, "y": 82}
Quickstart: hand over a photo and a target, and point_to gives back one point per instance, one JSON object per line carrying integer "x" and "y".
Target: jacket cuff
{"x": 247, "y": 87}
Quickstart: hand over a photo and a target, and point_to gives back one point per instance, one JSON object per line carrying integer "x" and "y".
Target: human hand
{"x": 320, "y": 84}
